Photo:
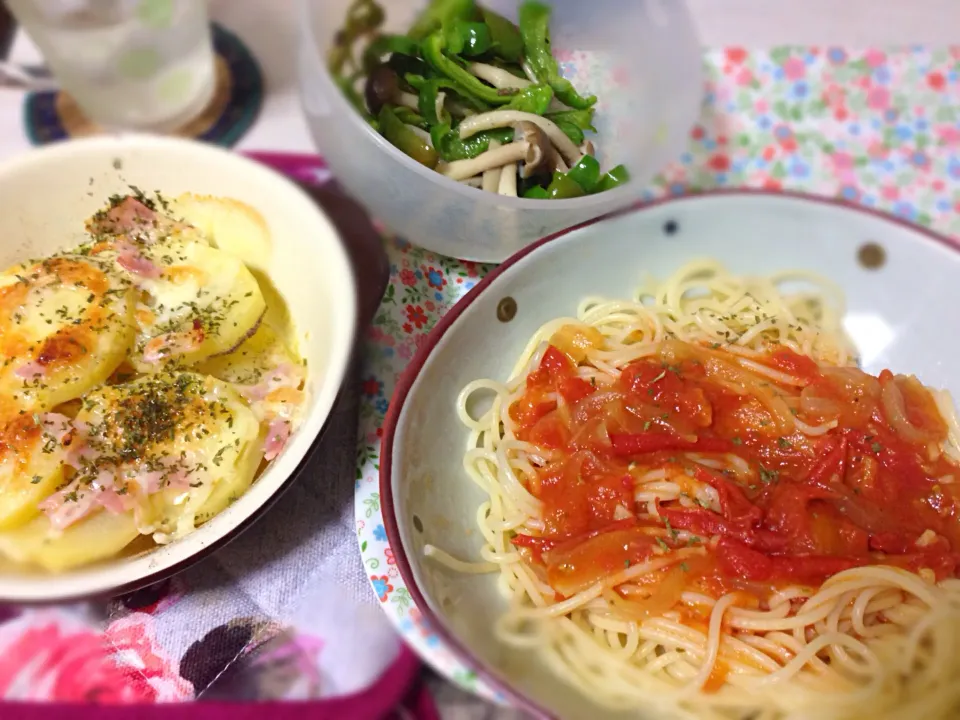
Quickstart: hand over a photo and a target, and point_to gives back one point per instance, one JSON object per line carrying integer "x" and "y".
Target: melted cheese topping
{"x": 147, "y": 376}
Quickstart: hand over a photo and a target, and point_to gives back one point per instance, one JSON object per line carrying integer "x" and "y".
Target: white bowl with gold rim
{"x": 45, "y": 197}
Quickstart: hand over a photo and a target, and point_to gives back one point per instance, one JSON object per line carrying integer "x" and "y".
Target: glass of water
{"x": 130, "y": 64}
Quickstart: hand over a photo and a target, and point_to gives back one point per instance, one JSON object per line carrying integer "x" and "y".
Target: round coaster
{"x": 54, "y": 115}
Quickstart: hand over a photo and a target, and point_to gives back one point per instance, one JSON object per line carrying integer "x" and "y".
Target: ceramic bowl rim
{"x": 409, "y": 375}
{"x": 200, "y": 544}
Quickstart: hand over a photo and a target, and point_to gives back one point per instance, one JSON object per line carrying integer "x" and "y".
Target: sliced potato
{"x": 258, "y": 355}
{"x": 96, "y": 537}
{"x": 233, "y": 226}
{"x": 177, "y": 436}
{"x": 137, "y": 220}
{"x": 203, "y": 302}
{"x": 233, "y": 484}
{"x": 66, "y": 323}
{"x": 30, "y": 466}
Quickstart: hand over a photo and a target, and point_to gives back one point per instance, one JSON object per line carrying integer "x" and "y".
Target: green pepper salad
{"x": 470, "y": 94}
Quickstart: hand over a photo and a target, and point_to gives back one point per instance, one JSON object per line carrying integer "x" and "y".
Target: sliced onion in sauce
{"x": 593, "y": 405}
{"x": 894, "y": 408}
{"x": 666, "y": 594}
{"x": 812, "y": 404}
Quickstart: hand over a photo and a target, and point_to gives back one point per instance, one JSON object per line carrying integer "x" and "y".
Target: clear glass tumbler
{"x": 130, "y": 64}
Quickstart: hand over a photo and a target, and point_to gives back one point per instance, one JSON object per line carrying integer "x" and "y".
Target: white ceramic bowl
{"x": 46, "y": 195}
{"x": 642, "y": 60}
{"x": 901, "y": 316}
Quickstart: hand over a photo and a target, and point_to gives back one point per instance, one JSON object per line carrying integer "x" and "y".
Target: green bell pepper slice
{"x": 615, "y": 178}
{"x": 451, "y": 147}
{"x": 507, "y": 41}
{"x": 468, "y": 38}
{"x": 409, "y": 117}
{"x": 536, "y": 193}
{"x": 431, "y": 111}
{"x": 387, "y": 45}
{"x": 586, "y": 173}
{"x": 433, "y": 52}
{"x": 418, "y": 83}
{"x": 534, "y": 28}
{"x": 439, "y": 13}
{"x": 564, "y": 188}
{"x": 583, "y": 119}
{"x": 571, "y": 131}
{"x": 532, "y": 99}
{"x": 573, "y": 123}
{"x": 404, "y": 139}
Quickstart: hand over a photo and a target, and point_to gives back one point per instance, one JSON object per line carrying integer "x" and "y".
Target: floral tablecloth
{"x": 286, "y": 611}
{"x": 877, "y": 127}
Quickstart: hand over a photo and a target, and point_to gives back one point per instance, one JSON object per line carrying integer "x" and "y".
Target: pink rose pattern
{"x": 49, "y": 655}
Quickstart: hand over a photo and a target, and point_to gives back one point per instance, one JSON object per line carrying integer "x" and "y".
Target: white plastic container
{"x": 642, "y": 60}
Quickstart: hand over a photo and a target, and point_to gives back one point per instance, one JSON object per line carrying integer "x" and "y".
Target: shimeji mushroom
{"x": 491, "y": 177}
{"x": 546, "y": 158}
{"x": 383, "y": 88}
{"x": 506, "y": 118}
{"x": 530, "y": 146}
{"x": 498, "y": 77}
{"x": 508, "y": 180}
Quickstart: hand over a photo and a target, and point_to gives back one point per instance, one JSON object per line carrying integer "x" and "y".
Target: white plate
{"x": 46, "y": 195}
{"x": 901, "y": 316}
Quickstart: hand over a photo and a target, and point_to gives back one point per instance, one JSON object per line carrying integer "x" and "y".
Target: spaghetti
{"x": 699, "y": 505}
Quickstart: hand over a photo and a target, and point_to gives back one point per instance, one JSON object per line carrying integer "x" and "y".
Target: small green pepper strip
{"x": 583, "y": 119}
{"x": 404, "y": 65}
{"x": 432, "y": 50}
{"x": 564, "y": 188}
{"x": 586, "y": 173}
{"x": 363, "y": 17}
{"x": 387, "y": 45}
{"x": 573, "y": 123}
{"x": 468, "y": 38}
{"x": 409, "y": 117}
{"x": 615, "y": 178}
{"x": 404, "y": 139}
{"x": 507, "y": 41}
{"x": 448, "y": 143}
{"x": 532, "y": 99}
{"x": 418, "y": 82}
{"x": 534, "y": 28}
{"x": 536, "y": 193}
{"x": 571, "y": 131}
{"x": 440, "y": 12}
{"x": 427, "y": 103}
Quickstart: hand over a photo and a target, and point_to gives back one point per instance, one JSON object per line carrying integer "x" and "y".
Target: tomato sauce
{"x": 807, "y": 508}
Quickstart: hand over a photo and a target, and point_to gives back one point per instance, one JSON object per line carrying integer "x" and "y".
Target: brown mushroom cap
{"x": 381, "y": 87}
{"x": 540, "y": 152}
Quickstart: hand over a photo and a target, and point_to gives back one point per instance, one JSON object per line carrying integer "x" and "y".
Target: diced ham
{"x": 112, "y": 501}
{"x": 57, "y": 425}
{"x": 72, "y": 503}
{"x": 278, "y": 433}
{"x": 277, "y": 394}
{"x": 149, "y": 480}
{"x": 175, "y": 343}
{"x": 128, "y": 215}
{"x": 131, "y": 260}
{"x": 30, "y": 370}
